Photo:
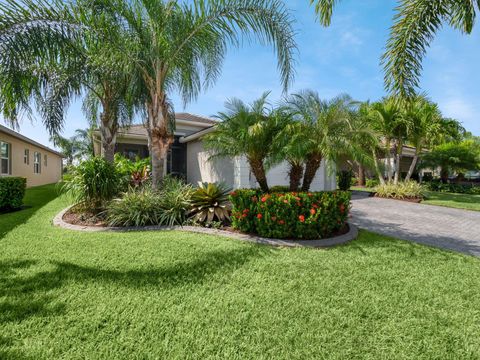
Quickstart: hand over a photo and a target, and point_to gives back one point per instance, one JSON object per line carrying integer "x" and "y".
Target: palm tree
{"x": 247, "y": 130}
{"x": 416, "y": 23}
{"x": 171, "y": 47}
{"x": 326, "y": 130}
{"x": 52, "y": 52}
{"x": 386, "y": 116}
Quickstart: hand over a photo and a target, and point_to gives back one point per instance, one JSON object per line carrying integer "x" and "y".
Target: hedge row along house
{"x": 24, "y": 157}
{"x": 189, "y": 160}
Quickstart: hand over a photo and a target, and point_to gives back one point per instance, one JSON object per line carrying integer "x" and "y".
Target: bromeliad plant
{"x": 209, "y": 202}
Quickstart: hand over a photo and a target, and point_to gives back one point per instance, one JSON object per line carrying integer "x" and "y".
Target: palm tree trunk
{"x": 361, "y": 175}
{"x": 412, "y": 167}
{"x": 258, "y": 171}
{"x": 295, "y": 174}
{"x": 311, "y": 166}
{"x": 398, "y": 158}
{"x": 108, "y": 131}
{"x": 159, "y": 139}
{"x": 388, "y": 154}
{"x": 377, "y": 168}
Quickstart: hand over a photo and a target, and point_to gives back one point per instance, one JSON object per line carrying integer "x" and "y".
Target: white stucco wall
{"x": 200, "y": 168}
{"x": 236, "y": 172}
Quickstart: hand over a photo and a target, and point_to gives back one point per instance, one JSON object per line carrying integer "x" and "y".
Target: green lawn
{"x": 175, "y": 295}
{"x": 460, "y": 201}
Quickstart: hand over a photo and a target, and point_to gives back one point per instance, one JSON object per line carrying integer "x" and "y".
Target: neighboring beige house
{"x": 187, "y": 157}
{"x": 21, "y": 156}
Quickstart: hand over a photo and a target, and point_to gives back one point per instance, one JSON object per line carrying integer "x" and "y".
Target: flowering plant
{"x": 295, "y": 215}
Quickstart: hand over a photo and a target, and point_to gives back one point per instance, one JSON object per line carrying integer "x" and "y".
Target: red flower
{"x": 259, "y": 216}
{"x": 310, "y": 194}
{"x": 244, "y": 215}
{"x": 301, "y": 218}
{"x": 342, "y": 208}
{"x": 285, "y": 201}
{"x": 281, "y": 222}
{"x": 264, "y": 199}
{"x": 312, "y": 211}
{"x": 315, "y": 206}
{"x": 233, "y": 193}
{"x": 274, "y": 218}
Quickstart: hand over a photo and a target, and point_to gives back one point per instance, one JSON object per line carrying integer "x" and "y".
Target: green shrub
{"x": 402, "y": 190}
{"x": 143, "y": 206}
{"x": 371, "y": 183}
{"x": 344, "y": 180}
{"x": 133, "y": 173}
{"x": 93, "y": 183}
{"x": 209, "y": 203}
{"x": 12, "y": 191}
{"x": 279, "y": 189}
{"x": 453, "y": 188}
{"x": 293, "y": 215}
{"x": 175, "y": 201}
{"x": 136, "y": 207}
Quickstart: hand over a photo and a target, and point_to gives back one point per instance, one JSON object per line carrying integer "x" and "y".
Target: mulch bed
{"x": 75, "y": 216}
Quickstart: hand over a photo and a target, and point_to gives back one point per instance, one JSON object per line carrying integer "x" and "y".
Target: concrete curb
{"x": 321, "y": 243}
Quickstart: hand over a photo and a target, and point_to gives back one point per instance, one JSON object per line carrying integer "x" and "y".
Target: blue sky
{"x": 343, "y": 58}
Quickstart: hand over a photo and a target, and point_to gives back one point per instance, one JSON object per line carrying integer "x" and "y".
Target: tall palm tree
{"x": 171, "y": 46}
{"x": 247, "y": 130}
{"x": 326, "y": 130}
{"x": 416, "y": 23}
{"x": 52, "y": 52}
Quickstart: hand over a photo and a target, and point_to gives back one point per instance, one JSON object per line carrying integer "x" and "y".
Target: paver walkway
{"x": 448, "y": 228}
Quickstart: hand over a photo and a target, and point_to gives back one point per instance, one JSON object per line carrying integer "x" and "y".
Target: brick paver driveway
{"x": 452, "y": 229}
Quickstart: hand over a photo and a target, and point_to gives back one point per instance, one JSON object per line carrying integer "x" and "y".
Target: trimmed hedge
{"x": 453, "y": 188}
{"x": 12, "y": 191}
{"x": 292, "y": 215}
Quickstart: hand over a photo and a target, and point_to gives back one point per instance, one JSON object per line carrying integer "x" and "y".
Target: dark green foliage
{"x": 12, "y": 191}
{"x": 279, "y": 189}
{"x": 344, "y": 180}
{"x": 209, "y": 203}
{"x": 144, "y": 206}
{"x": 453, "y": 188}
{"x": 312, "y": 215}
{"x": 93, "y": 183}
{"x": 371, "y": 183}
{"x": 136, "y": 207}
{"x": 133, "y": 173}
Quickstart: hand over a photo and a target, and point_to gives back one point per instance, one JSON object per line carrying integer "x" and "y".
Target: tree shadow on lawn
{"x": 35, "y": 199}
{"x": 25, "y": 297}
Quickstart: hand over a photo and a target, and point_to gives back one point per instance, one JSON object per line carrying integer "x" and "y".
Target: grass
{"x": 176, "y": 295}
{"x": 459, "y": 201}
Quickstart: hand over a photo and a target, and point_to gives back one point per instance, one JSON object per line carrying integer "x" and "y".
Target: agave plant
{"x": 209, "y": 202}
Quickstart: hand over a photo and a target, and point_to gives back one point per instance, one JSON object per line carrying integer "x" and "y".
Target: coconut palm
{"x": 172, "y": 46}
{"x": 416, "y": 23}
{"x": 52, "y": 52}
{"x": 247, "y": 130}
{"x": 326, "y": 131}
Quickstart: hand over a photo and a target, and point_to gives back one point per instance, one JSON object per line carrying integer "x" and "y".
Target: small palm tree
{"x": 246, "y": 130}
{"x": 325, "y": 130}
{"x": 416, "y": 23}
{"x": 170, "y": 46}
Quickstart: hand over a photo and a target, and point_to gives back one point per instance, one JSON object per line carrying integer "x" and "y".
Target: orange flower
{"x": 301, "y": 218}
{"x": 312, "y": 211}
{"x": 285, "y": 201}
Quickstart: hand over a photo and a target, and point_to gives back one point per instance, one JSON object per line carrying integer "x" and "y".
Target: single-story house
{"x": 24, "y": 157}
{"x": 188, "y": 158}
